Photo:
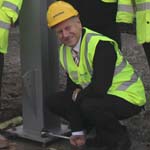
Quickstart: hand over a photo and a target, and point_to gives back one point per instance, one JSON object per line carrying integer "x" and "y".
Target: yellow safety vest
{"x": 126, "y": 84}
{"x": 126, "y": 14}
{"x": 9, "y": 11}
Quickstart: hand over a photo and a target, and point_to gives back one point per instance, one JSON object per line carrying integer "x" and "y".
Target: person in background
{"x": 128, "y": 10}
{"x": 99, "y": 15}
{"x": 102, "y": 87}
{"x": 9, "y": 12}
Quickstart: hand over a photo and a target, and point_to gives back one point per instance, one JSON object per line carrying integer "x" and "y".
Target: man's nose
{"x": 65, "y": 33}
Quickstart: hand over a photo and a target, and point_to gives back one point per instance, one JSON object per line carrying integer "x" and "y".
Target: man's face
{"x": 69, "y": 31}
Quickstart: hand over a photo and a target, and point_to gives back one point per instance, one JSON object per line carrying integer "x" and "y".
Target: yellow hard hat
{"x": 60, "y": 11}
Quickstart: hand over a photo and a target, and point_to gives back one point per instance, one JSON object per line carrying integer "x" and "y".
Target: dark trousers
{"x": 146, "y": 47}
{"x": 1, "y": 70}
{"x": 103, "y": 113}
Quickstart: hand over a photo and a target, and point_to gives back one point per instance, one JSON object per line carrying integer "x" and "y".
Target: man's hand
{"x": 77, "y": 140}
{"x": 75, "y": 94}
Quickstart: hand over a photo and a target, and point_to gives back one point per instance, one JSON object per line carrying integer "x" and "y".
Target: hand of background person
{"x": 75, "y": 94}
{"x": 77, "y": 140}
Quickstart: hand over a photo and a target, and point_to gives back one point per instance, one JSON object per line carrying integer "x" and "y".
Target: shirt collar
{"x": 77, "y": 46}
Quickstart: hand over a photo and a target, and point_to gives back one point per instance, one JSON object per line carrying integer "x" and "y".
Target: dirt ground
{"x": 139, "y": 126}
{"x": 12, "y": 83}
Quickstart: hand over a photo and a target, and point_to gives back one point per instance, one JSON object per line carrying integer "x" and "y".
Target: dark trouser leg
{"x": 1, "y": 71}
{"x": 146, "y": 47}
{"x": 105, "y": 113}
{"x": 62, "y": 105}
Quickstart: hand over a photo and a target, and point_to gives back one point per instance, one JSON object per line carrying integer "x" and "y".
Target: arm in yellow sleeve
{"x": 12, "y": 8}
{"x": 125, "y": 13}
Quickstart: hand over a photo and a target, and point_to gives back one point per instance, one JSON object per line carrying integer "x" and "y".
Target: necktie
{"x": 75, "y": 56}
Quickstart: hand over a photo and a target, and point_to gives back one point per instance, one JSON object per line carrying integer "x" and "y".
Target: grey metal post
{"x": 39, "y": 64}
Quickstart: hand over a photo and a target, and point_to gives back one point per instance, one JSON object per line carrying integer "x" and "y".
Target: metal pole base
{"x": 20, "y": 132}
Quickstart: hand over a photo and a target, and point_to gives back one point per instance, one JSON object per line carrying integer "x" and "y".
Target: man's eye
{"x": 68, "y": 28}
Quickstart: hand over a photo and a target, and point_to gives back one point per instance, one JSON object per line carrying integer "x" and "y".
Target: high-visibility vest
{"x": 9, "y": 11}
{"x": 125, "y": 84}
{"x": 126, "y": 14}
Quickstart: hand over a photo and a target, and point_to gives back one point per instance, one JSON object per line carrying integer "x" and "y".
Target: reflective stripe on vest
{"x": 74, "y": 74}
{"x": 143, "y": 6}
{"x": 88, "y": 37}
{"x": 4, "y": 25}
{"x": 125, "y": 8}
{"x": 11, "y": 6}
{"x": 129, "y": 9}
{"x": 65, "y": 59}
{"x": 120, "y": 67}
{"x": 126, "y": 84}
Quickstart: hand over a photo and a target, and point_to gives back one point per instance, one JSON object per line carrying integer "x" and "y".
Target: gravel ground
{"x": 139, "y": 126}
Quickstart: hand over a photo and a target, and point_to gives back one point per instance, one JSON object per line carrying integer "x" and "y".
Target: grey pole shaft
{"x": 39, "y": 65}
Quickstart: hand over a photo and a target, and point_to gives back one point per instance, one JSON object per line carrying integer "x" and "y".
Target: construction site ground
{"x": 138, "y": 126}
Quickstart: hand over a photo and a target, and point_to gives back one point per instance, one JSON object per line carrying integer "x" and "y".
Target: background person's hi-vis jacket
{"x": 139, "y": 9}
{"x": 9, "y": 12}
{"x": 125, "y": 84}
